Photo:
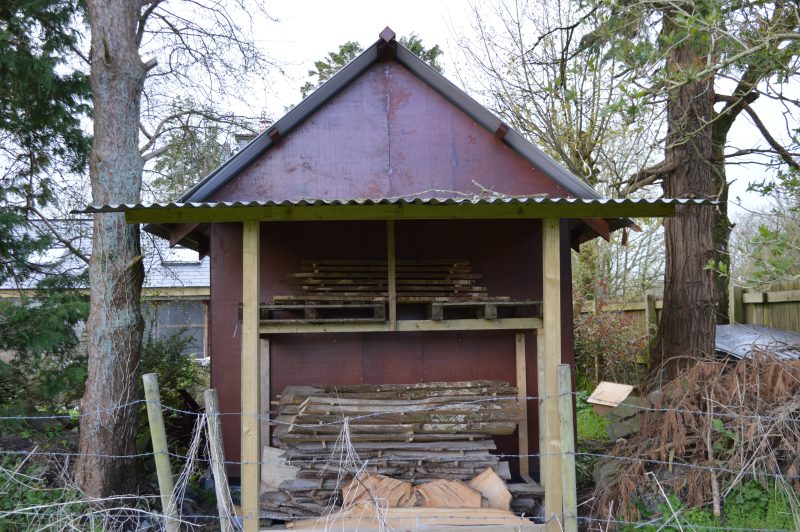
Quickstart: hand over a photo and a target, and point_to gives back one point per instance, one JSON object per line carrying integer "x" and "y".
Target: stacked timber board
{"x": 417, "y": 281}
{"x": 415, "y": 432}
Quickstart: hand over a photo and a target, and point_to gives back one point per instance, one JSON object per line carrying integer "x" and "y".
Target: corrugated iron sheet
{"x": 741, "y": 341}
{"x": 467, "y": 200}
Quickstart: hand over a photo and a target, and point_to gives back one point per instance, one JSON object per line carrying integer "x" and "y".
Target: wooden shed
{"x": 388, "y": 167}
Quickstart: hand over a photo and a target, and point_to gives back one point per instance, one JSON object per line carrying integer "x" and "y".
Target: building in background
{"x": 175, "y": 293}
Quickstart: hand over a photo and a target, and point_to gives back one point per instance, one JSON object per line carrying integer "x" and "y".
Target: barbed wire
{"x": 268, "y": 414}
{"x": 455, "y": 458}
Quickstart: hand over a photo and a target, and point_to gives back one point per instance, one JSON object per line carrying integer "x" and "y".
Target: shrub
{"x": 608, "y": 346}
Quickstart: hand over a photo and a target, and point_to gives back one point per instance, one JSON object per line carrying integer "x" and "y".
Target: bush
{"x": 608, "y": 347}
{"x": 180, "y": 379}
{"x": 47, "y": 370}
{"x": 749, "y": 506}
{"x": 30, "y": 501}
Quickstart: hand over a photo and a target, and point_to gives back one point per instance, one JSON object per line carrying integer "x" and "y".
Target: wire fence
{"x": 120, "y": 509}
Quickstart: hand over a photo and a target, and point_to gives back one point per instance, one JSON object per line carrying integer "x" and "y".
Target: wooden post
{"x": 651, "y": 323}
{"x": 736, "y": 304}
{"x": 250, "y": 379}
{"x": 551, "y": 310}
{"x": 224, "y": 503}
{"x": 541, "y": 387}
{"x": 391, "y": 265}
{"x": 160, "y": 453}
{"x": 522, "y": 393}
{"x": 570, "y": 514}
{"x": 265, "y": 391}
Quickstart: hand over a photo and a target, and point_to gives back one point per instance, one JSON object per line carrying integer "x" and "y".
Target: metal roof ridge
{"x": 476, "y": 200}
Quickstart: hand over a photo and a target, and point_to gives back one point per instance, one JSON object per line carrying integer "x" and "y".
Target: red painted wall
{"x": 507, "y": 253}
{"x": 387, "y": 134}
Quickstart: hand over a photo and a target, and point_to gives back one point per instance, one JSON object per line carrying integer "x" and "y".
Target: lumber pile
{"x": 416, "y": 433}
{"x": 366, "y": 517}
{"x": 376, "y": 502}
{"x": 417, "y": 281}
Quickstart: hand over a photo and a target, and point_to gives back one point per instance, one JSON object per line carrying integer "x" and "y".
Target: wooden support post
{"x": 160, "y": 453}
{"x": 736, "y": 304}
{"x": 551, "y": 310}
{"x": 250, "y": 379}
{"x": 651, "y": 323}
{"x": 264, "y": 357}
{"x": 391, "y": 263}
{"x": 224, "y": 502}
{"x": 569, "y": 520}
{"x": 541, "y": 387}
{"x": 522, "y": 393}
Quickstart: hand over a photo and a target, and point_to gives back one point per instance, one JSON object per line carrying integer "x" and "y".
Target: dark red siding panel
{"x": 387, "y": 134}
{"x": 225, "y": 340}
{"x": 315, "y": 359}
{"x": 393, "y": 358}
{"x": 506, "y": 252}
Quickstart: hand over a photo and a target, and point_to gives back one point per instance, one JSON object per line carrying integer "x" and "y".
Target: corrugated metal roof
{"x": 444, "y": 87}
{"x": 468, "y": 200}
{"x": 742, "y": 341}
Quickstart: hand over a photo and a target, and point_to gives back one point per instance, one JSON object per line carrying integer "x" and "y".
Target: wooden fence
{"x": 777, "y": 307}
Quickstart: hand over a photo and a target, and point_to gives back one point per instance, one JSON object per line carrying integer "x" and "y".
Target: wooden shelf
{"x": 403, "y": 326}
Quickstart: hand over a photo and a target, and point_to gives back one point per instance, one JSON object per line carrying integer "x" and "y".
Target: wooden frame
{"x": 502, "y": 324}
{"x": 222, "y": 212}
{"x": 550, "y": 459}
{"x": 250, "y": 377}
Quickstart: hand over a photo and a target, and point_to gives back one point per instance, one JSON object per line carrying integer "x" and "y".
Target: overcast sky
{"x": 307, "y": 30}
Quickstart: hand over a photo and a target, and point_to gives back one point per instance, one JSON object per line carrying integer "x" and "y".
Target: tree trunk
{"x": 114, "y": 328}
{"x": 688, "y": 322}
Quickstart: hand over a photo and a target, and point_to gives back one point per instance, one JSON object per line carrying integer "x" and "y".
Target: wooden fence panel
{"x": 777, "y": 307}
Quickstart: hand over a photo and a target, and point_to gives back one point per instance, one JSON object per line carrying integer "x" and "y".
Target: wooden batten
{"x": 250, "y": 378}
{"x": 522, "y": 393}
{"x": 391, "y": 264}
{"x": 551, "y": 316}
{"x": 264, "y": 359}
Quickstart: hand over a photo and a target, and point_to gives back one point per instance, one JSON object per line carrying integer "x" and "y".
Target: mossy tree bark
{"x": 688, "y": 323}
{"x": 115, "y": 325}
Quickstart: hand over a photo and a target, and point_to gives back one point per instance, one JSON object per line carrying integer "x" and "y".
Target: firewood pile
{"x": 376, "y": 502}
{"x": 416, "y": 433}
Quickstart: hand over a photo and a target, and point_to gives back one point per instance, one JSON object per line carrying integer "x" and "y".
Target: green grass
{"x": 590, "y": 425}
{"x": 749, "y": 506}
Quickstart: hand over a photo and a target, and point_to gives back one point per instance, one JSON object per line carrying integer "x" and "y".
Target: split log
{"x": 493, "y": 489}
{"x": 447, "y": 494}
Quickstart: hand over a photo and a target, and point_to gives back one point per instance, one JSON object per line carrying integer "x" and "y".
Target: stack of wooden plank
{"x": 417, "y": 281}
{"x": 416, "y": 432}
{"x": 376, "y": 502}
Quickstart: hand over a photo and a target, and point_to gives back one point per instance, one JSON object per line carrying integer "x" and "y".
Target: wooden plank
{"x": 383, "y": 276}
{"x": 407, "y": 211}
{"x": 735, "y": 304}
{"x": 754, "y": 297}
{"x": 448, "y": 494}
{"x": 522, "y": 393}
{"x": 570, "y": 504}
{"x": 250, "y": 378}
{"x": 224, "y": 502}
{"x": 502, "y": 324}
{"x": 379, "y": 262}
{"x": 551, "y": 316}
{"x": 541, "y": 391}
{"x": 264, "y": 396}
{"x": 783, "y": 296}
{"x": 158, "y": 436}
{"x": 492, "y": 488}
